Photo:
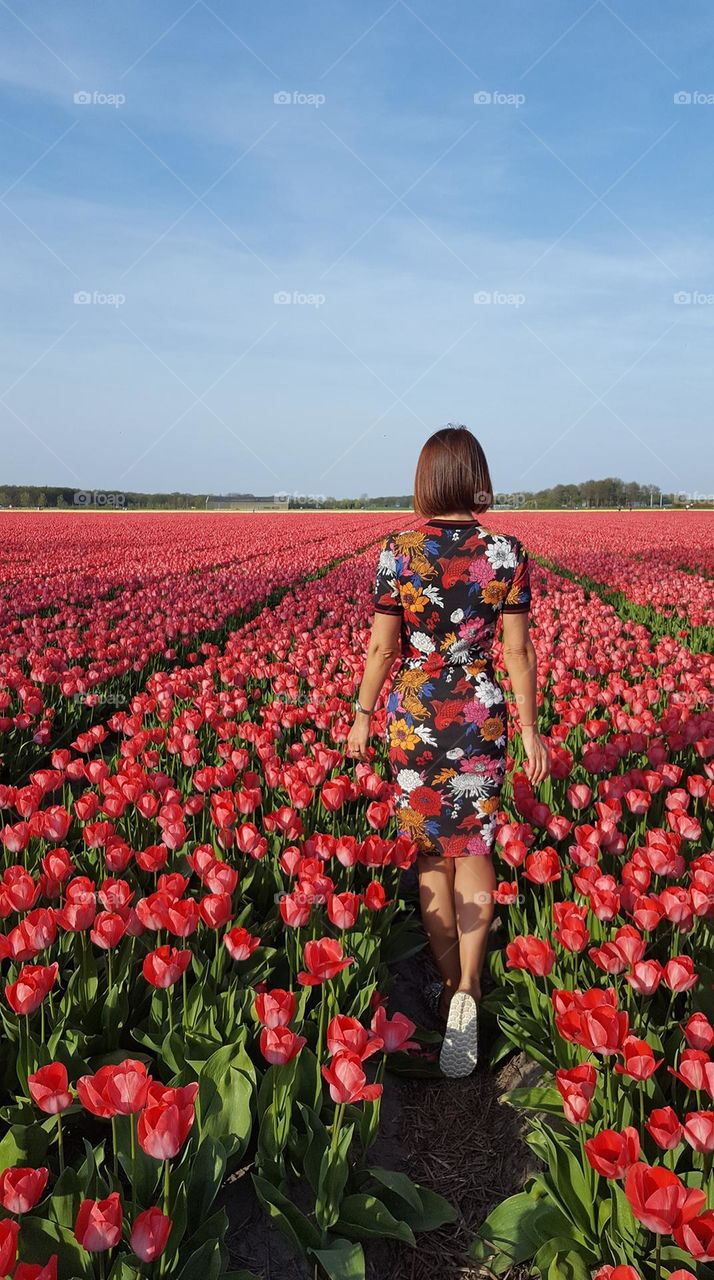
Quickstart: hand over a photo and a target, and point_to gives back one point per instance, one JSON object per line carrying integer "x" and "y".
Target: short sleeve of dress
{"x": 386, "y": 585}
{"x": 518, "y": 599}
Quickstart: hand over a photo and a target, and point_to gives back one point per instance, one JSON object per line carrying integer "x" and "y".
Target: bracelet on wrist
{"x": 362, "y": 710}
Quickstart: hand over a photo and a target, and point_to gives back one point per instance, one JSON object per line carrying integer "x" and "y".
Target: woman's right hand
{"x": 358, "y": 738}
{"x": 537, "y": 766}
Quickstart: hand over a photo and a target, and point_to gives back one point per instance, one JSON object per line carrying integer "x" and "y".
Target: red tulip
{"x": 542, "y": 866}
{"x": 347, "y": 1035}
{"x": 696, "y": 1235}
{"x": 32, "y": 935}
{"x": 507, "y": 894}
{"x": 127, "y": 1086}
{"x": 166, "y": 1121}
{"x": 150, "y": 1234}
{"x": 576, "y": 1087}
{"x": 375, "y": 896}
{"x": 109, "y": 929}
{"x": 347, "y": 1080}
{"x": 323, "y": 959}
{"x": 664, "y": 1128}
{"x": 240, "y": 944}
{"x": 533, "y": 954}
{"x": 33, "y": 984}
{"x": 572, "y": 932}
{"x": 21, "y": 1188}
{"x": 275, "y": 1008}
{"x": 603, "y": 1030}
{"x": 696, "y": 1070}
{"x": 35, "y": 1270}
{"x": 679, "y": 974}
{"x": 395, "y": 1032}
{"x": 699, "y": 1032}
{"x": 99, "y": 1224}
{"x": 49, "y": 1088}
{"x": 514, "y": 853}
{"x": 164, "y": 966}
{"x": 640, "y": 1062}
{"x": 343, "y": 909}
{"x": 645, "y": 977}
{"x": 8, "y": 1245}
{"x": 623, "y": 1272}
{"x": 699, "y": 1130}
{"x": 660, "y": 1200}
{"x": 280, "y": 1045}
{"x": 216, "y": 909}
{"x": 611, "y": 1153}
{"x": 221, "y": 878}
{"x": 93, "y": 1093}
{"x": 295, "y": 910}
{"x": 378, "y": 814}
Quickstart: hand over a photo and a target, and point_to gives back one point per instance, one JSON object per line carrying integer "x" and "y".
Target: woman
{"x": 439, "y": 593}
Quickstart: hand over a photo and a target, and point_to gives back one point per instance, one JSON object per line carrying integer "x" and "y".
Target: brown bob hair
{"x": 452, "y": 474}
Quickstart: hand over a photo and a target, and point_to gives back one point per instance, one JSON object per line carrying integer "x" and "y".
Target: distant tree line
{"x": 610, "y": 492}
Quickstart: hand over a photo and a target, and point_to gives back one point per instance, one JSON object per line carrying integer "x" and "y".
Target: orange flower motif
{"x": 492, "y": 729}
{"x": 413, "y": 600}
{"x": 402, "y": 737}
{"x": 495, "y": 591}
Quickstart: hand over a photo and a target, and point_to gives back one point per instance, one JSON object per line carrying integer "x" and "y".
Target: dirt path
{"x": 454, "y": 1136}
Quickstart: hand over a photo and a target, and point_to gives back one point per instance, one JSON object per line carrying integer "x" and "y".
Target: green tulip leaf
{"x": 342, "y": 1260}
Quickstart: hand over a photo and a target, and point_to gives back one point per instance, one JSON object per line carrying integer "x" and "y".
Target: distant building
{"x": 243, "y": 502}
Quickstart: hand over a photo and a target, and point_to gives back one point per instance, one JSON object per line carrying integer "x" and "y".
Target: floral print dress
{"x": 446, "y": 723}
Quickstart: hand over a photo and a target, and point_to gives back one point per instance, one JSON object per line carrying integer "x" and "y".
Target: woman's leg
{"x": 474, "y": 883}
{"x": 436, "y": 895}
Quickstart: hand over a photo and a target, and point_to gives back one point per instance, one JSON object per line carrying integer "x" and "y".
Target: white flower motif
{"x": 457, "y": 615}
{"x": 420, "y": 640}
{"x": 423, "y": 732}
{"x": 488, "y": 830}
{"x": 461, "y": 651}
{"x": 431, "y": 593}
{"x": 455, "y": 753}
{"x": 470, "y": 784}
{"x": 408, "y": 779}
{"x": 486, "y": 692}
{"x": 501, "y": 554}
{"x": 387, "y": 571}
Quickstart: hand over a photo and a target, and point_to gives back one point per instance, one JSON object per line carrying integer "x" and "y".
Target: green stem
{"x": 132, "y": 1130}
{"x": 114, "y": 1147}
{"x": 608, "y": 1093}
{"x": 336, "y": 1126}
{"x": 169, "y": 998}
{"x": 320, "y": 1038}
{"x": 658, "y": 1258}
{"x": 167, "y": 1204}
{"x": 60, "y": 1143}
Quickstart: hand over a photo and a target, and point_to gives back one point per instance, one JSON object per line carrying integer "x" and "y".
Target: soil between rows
{"x": 453, "y": 1136}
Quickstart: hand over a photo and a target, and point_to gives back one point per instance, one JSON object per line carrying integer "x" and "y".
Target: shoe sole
{"x": 459, "y": 1051}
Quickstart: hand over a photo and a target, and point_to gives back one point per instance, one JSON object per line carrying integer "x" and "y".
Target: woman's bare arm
{"x": 383, "y": 648}
{"x": 521, "y": 664}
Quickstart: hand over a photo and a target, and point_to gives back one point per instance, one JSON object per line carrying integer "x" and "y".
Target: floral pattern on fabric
{"x": 446, "y": 718}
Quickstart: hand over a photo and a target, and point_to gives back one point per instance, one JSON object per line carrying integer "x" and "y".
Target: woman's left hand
{"x": 358, "y": 738}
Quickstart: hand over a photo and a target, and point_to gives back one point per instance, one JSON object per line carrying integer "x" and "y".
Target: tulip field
{"x": 200, "y": 901}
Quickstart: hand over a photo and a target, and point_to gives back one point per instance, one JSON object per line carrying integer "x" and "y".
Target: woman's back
{"x": 450, "y": 581}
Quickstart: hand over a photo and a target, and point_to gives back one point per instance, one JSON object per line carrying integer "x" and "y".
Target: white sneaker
{"x": 459, "y": 1051}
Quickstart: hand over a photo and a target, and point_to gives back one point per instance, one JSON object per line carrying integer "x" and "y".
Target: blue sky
{"x": 511, "y": 263}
